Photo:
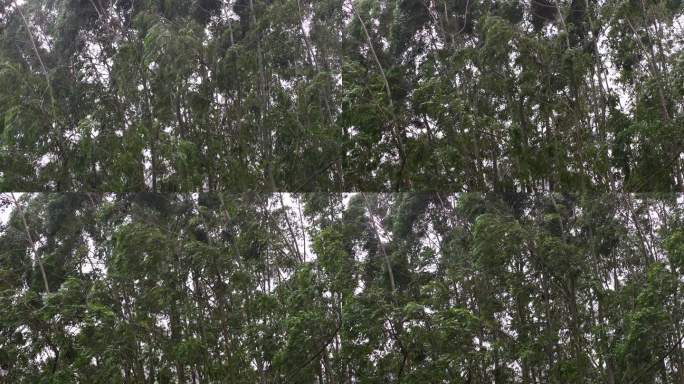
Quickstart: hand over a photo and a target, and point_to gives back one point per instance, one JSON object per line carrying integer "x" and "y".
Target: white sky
{"x": 5, "y": 211}
{"x": 4, "y": 214}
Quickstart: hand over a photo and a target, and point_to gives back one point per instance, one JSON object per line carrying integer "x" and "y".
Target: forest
{"x": 342, "y": 191}
{"x": 342, "y": 95}
{"x": 341, "y": 288}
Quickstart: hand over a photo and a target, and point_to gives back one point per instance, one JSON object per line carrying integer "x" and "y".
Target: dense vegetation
{"x": 338, "y": 95}
{"x": 329, "y": 288}
{"x": 530, "y": 152}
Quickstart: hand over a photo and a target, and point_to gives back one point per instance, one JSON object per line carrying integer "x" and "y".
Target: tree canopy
{"x": 341, "y": 95}
{"x": 485, "y": 191}
{"x": 332, "y": 288}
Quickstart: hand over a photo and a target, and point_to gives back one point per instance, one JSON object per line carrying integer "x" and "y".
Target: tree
{"x": 267, "y": 288}
{"x": 329, "y": 95}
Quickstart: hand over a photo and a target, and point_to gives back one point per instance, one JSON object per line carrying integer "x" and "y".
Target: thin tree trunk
{"x": 394, "y": 130}
{"x": 381, "y": 245}
{"x": 32, "y": 243}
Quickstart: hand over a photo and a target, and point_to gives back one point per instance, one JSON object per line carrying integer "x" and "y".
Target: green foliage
{"x": 164, "y": 288}
{"x": 674, "y": 245}
{"x": 401, "y": 95}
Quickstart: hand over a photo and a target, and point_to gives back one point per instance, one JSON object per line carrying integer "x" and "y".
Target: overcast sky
{"x": 5, "y": 211}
